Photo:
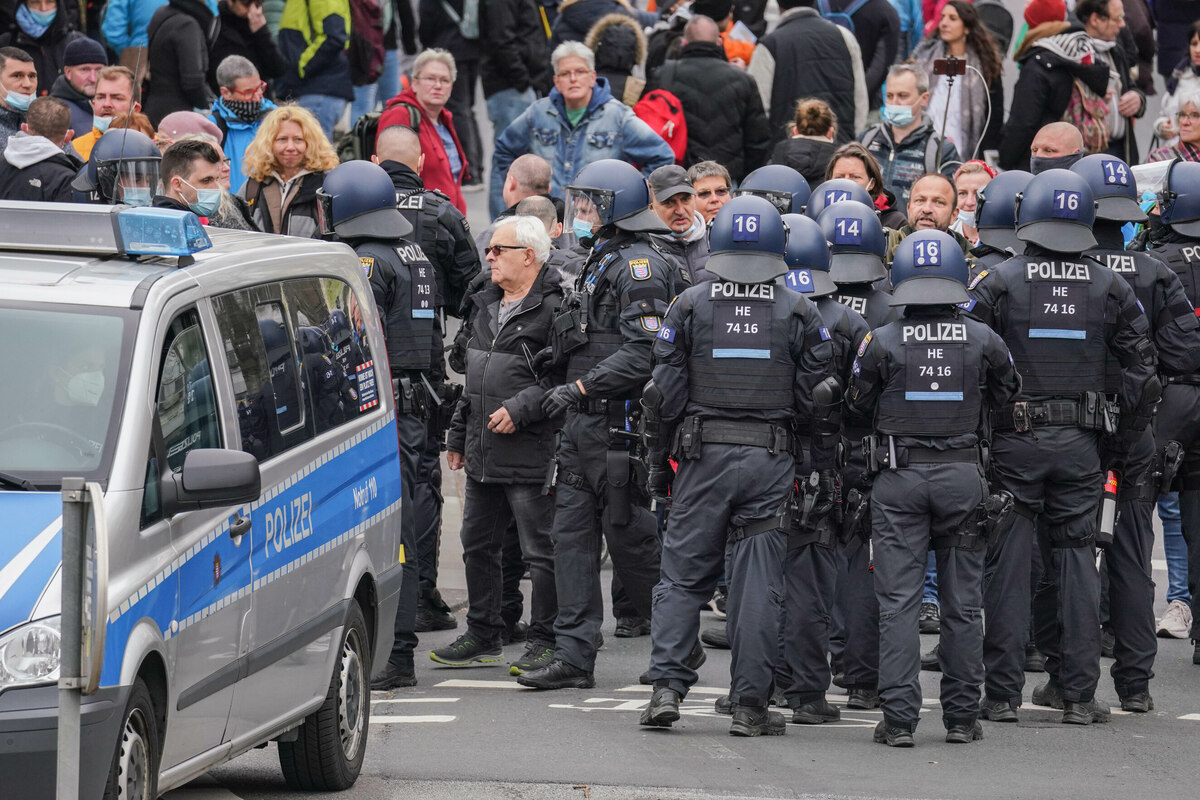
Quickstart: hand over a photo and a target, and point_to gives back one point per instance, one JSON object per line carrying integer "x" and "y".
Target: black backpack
{"x": 358, "y": 143}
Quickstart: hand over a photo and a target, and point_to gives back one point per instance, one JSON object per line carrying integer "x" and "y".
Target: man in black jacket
{"x": 190, "y": 172}
{"x": 724, "y": 112}
{"x": 82, "y": 62}
{"x": 34, "y": 166}
{"x": 244, "y": 32}
{"x": 516, "y": 68}
{"x": 502, "y": 437}
{"x": 1103, "y": 21}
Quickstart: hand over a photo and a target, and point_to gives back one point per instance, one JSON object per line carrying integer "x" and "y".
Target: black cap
{"x": 669, "y": 181}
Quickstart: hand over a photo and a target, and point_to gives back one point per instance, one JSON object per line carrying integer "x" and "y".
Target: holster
{"x": 1170, "y": 459}
{"x": 854, "y": 521}
{"x": 569, "y": 329}
{"x": 620, "y": 489}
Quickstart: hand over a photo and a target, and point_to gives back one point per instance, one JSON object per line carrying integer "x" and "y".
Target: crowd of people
{"x": 639, "y": 153}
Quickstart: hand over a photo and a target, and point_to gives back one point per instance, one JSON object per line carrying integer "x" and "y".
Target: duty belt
{"x": 1089, "y": 413}
{"x": 587, "y": 405}
{"x": 694, "y": 431}
{"x": 927, "y": 455}
{"x": 1186, "y": 380}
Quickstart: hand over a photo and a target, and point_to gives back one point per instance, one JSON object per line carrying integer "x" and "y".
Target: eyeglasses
{"x": 262, "y": 87}
{"x": 494, "y": 250}
{"x": 435, "y": 80}
{"x": 1192, "y": 115}
{"x": 573, "y": 74}
{"x": 718, "y": 192}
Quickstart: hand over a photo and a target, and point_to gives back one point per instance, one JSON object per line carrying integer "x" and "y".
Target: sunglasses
{"x": 718, "y": 192}
{"x": 494, "y": 250}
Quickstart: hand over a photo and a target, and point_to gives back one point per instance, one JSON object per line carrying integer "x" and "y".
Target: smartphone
{"x": 949, "y": 66}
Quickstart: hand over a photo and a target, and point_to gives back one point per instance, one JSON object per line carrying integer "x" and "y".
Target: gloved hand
{"x": 1114, "y": 452}
{"x": 558, "y": 399}
{"x": 658, "y": 477}
{"x": 541, "y": 360}
{"x": 826, "y": 495}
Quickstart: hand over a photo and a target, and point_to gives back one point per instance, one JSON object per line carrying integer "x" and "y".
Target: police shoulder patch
{"x": 983, "y": 273}
{"x": 667, "y": 334}
{"x": 968, "y": 306}
{"x": 368, "y": 264}
{"x": 652, "y": 323}
{"x": 825, "y": 334}
{"x": 862, "y": 348}
{"x": 639, "y": 268}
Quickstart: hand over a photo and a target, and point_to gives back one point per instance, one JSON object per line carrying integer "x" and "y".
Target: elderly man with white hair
{"x": 580, "y": 122}
{"x": 505, "y": 442}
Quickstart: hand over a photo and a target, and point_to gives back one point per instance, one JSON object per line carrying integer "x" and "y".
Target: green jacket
{"x": 313, "y": 37}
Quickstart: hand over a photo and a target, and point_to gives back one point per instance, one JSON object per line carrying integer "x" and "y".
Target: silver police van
{"x": 232, "y": 402}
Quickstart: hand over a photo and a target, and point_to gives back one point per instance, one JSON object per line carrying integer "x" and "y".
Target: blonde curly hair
{"x": 259, "y": 161}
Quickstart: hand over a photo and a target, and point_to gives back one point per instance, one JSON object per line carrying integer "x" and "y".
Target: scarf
{"x": 1075, "y": 46}
{"x": 32, "y": 27}
{"x": 248, "y": 111}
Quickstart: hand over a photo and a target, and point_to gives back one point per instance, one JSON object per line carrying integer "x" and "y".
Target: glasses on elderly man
{"x": 494, "y": 250}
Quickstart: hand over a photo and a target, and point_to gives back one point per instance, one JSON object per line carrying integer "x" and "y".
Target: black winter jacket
{"x": 181, "y": 33}
{"x": 34, "y": 168}
{"x": 437, "y": 29}
{"x": 576, "y": 18}
{"x": 877, "y": 31}
{"x": 499, "y": 373}
{"x": 47, "y": 50}
{"x": 80, "y": 105}
{"x": 514, "y": 47}
{"x": 809, "y": 157}
{"x": 724, "y": 112}
{"x": 236, "y": 39}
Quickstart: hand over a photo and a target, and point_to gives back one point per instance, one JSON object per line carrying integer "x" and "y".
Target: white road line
{"x": 694, "y": 690}
{"x": 415, "y": 718}
{"x": 197, "y": 790}
{"x": 1190, "y": 717}
{"x": 382, "y": 701}
{"x": 458, "y": 683}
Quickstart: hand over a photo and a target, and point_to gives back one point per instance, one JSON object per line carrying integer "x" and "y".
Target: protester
{"x": 313, "y": 37}
{"x": 515, "y": 68}
{"x": 34, "y": 167}
{"x": 18, "y": 80}
{"x": 1184, "y": 81}
{"x": 41, "y": 31}
{"x": 1187, "y": 126}
{"x": 116, "y": 94}
{"x": 445, "y": 25}
{"x": 181, "y": 33}
{"x": 620, "y": 48}
{"x": 239, "y": 111}
{"x": 285, "y": 165}
{"x": 176, "y": 125}
{"x": 968, "y": 180}
{"x": 854, "y": 162}
{"x": 82, "y": 61}
{"x": 810, "y": 146}
{"x": 233, "y": 211}
{"x": 244, "y": 33}
{"x": 674, "y": 201}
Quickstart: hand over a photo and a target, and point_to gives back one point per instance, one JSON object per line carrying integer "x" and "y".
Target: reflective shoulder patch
{"x": 968, "y": 306}
{"x": 825, "y": 334}
{"x": 652, "y": 323}
{"x": 368, "y": 264}
{"x": 862, "y": 348}
{"x": 639, "y": 268}
{"x": 667, "y": 333}
{"x": 975, "y": 281}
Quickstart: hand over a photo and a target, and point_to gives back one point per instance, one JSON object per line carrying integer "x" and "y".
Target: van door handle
{"x": 239, "y": 527}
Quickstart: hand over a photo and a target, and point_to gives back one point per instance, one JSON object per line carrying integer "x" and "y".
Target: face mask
{"x": 207, "y": 201}
{"x": 247, "y": 111}
{"x": 43, "y": 17}
{"x": 136, "y": 196}
{"x": 582, "y": 229}
{"x": 967, "y": 218}
{"x": 19, "y": 101}
{"x": 85, "y": 388}
{"x": 691, "y": 229}
{"x": 101, "y": 123}
{"x": 1039, "y": 164}
{"x": 900, "y": 116}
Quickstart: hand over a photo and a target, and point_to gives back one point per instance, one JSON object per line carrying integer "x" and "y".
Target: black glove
{"x": 541, "y": 360}
{"x": 826, "y": 496}
{"x": 658, "y": 477}
{"x": 558, "y": 399}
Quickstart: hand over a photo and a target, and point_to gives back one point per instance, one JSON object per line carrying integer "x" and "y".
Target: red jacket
{"x": 435, "y": 174}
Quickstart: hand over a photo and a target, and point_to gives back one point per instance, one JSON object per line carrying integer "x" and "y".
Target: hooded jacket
{"x": 79, "y": 103}
{"x": 36, "y": 169}
{"x": 47, "y": 50}
{"x": 619, "y": 45}
{"x": 435, "y": 173}
{"x": 576, "y": 17}
{"x": 313, "y": 35}
{"x": 513, "y": 41}
{"x": 236, "y": 39}
{"x": 180, "y": 35}
{"x": 690, "y": 251}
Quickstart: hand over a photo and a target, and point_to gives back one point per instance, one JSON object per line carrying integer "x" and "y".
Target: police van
{"x": 228, "y": 394}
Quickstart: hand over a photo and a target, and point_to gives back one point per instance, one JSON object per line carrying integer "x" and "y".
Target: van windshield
{"x": 63, "y": 369}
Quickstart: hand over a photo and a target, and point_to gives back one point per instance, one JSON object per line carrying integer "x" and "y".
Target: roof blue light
{"x": 161, "y": 232}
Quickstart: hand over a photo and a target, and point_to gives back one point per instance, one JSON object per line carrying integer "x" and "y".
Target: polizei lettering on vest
{"x": 1191, "y": 254}
{"x": 1057, "y": 271}
{"x": 743, "y": 291}
{"x": 410, "y": 253}
{"x": 1121, "y": 263}
{"x": 935, "y": 332}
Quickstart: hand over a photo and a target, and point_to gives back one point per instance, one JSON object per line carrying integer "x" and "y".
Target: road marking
{"x": 201, "y": 789}
{"x": 694, "y": 690}
{"x": 1190, "y": 717}
{"x": 458, "y": 683}
{"x": 415, "y": 718}
{"x": 417, "y": 700}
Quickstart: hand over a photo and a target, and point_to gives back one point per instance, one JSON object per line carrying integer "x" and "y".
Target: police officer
{"x": 1176, "y": 333}
{"x": 996, "y": 221}
{"x": 605, "y": 331}
{"x": 786, "y": 188}
{"x": 737, "y": 361}
{"x": 1175, "y": 240}
{"x": 1064, "y": 318}
{"x": 122, "y": 169}
{"x": 357, "y": 204}
{"x": 926, "y": 380}
{"x": 837, "y": 190}
{"x": 857, "y": 244}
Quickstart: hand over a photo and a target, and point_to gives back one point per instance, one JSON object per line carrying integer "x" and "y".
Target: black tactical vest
{"x": 869, "y": 302}
{"x": 411, "y": 326}
{"x": 1184, "y": 260}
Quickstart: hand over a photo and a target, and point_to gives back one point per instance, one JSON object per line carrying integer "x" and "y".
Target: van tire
{"x": 134, "y": 771}
{"x": 328, "y": 753}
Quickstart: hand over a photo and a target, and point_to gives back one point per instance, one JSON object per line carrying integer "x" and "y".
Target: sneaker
{"x": 1034, "y": 660}
{"x": 663, "y": 709}
{"x": 717, "y": 604}
{"x": 1108, "y": 640}
{"x": 839, "y": 680}
{"x": 1176, "y": 621}
{"x": 715, "y": 637}
{"x": 558, "y": 674}
{"x": 1085, "y": 713}
{"x": 964, "y": 733}
{"x": 537, "y": 655}
{"x": 931, "y": 661}
{"x": 395, "y": 676}
{"x": 517, "y": 632}
{"x": 722, "y": 705}
{"x": 433, "y": 614}
{"x": 632, "y": 627}
{"x": 695, "y": 659}
{"x": 467, "y": 650}
{"x": 863, "y": 699}
{"x": 1048, "y": 695}
{"x": 751, "y": 721}
{"x": 930, "y": 618}
{"x": 997, "y": 710}
{"x": 1139, "y": 703}
{"x": 815, "y": 713}
{"x": 892, "y": 736}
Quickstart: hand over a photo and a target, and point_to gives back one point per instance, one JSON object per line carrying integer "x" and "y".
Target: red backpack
{"x": 663, "y": 112}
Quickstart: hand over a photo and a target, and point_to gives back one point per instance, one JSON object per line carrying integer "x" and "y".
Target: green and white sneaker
{"x": 536, "y": 656}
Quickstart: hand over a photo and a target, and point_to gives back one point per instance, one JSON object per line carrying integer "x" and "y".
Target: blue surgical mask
{"x": 967, "y": 218}
{"x": 691, "y": 229}
{"x": 136, "y": 196}
{"x": 43, "y": 17}
{"x": 101, "y": 123}
{"x": 582, "y": 229}
{"x": 207, "y": 201}
{"x": 18, "y": 101}
{"x": 900, "y": 116}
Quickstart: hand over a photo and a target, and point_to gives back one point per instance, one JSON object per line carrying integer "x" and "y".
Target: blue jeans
{"x": 930, "y": 593}
{"x": 376, "y": 95}
{"x": 1175, "y": 547}
{"x": 326, "y": 108}
{"x": 502, "y": 108}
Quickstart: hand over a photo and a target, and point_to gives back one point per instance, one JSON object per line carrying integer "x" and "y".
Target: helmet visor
{"x": 132, "y": 182}
{"x": 324, "y": 213}
{"x": 587, "y": 210}
{"x": 781, "y": 200}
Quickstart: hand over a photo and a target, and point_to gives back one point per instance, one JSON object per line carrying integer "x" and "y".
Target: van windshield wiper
{"x": 16, "y": 482}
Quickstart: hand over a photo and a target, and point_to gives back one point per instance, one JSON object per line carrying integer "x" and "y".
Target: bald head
{"x": 528, "y": 175}
{"x": 701, "y": 29}
{"x": 1056, "y": 139}
{"x": 399, "y": 143}
{"x": 543, "y": 209}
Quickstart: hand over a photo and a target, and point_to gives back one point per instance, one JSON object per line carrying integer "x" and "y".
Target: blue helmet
{"x": 857, "y": 244}
{"x": 833, "y": 191}
{"x": 747, "y": 241}
{"x": 929, "y": 269}
{"x": 807, "y": 257}
{"x": 1179, "y": 199}
{"x": 785, "y": 187}
{"x": 996, "y": 210}
{"x": 1114, "y": 187}
{"x": 1057, "y": 211}
{"x": 611, "y": 192}
{"x": 122, "y": 168}
{"x": 357, "y": 200}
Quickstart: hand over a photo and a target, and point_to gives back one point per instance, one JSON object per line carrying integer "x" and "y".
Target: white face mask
{"x": 85, "y": 388}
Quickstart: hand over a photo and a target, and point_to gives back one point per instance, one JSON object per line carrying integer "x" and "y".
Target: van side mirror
{"x": 211, "y": 478}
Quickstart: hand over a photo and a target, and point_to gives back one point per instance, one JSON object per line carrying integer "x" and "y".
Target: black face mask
{"x": 248, "y": 111}
{"x": 1039, "y": 164}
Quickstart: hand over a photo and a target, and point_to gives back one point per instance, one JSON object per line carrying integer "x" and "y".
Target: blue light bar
{"x": 161, "y": 232}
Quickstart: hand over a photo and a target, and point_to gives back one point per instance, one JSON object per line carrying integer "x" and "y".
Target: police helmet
{"x": 807, "y": 257}
{"x": 929, "y": 269}
{"x": 857, "y": 244}
{"x": 337, "y": 327}
{"x": 786, "y": 188}
{"x": 357, "y": 200}
{"x": 1114, "y": 187}
{"x": 122, "y": 168}
{"x": 996, "y": 210}
{"x": 747, "y": 241}
{"x": 312, "y": 340}
{"x": 1057, "y": 210}
{"x": 833, "y": 191}
{"x": 1179, "y": 200}
{"x": 611, "y": 192}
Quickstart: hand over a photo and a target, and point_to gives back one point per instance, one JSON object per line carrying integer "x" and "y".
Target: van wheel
{"x": 328, "y": 753}
{"x": 134, "y": 771}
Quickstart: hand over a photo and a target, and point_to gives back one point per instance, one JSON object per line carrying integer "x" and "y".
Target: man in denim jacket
{"x": 580, "y": 122}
